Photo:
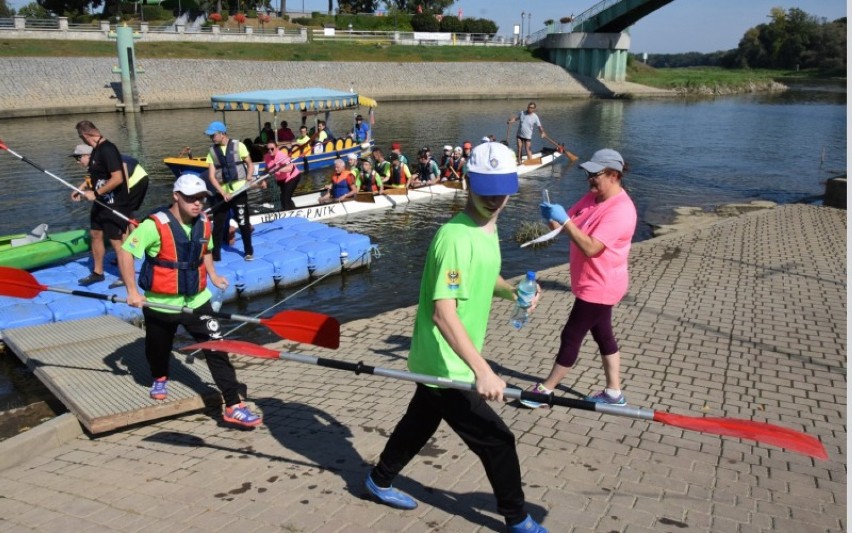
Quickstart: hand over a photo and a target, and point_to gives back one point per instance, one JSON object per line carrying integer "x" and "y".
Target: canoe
{"x": 308, "y": 206}
{"x": 538, "y": 160}
{"x": 28, "y": 250}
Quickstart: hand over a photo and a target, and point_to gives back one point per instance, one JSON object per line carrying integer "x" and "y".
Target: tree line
{"x": 792, "y": 40}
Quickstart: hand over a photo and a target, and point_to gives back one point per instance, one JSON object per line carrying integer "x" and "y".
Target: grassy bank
{"x": 708, "y": 79}
{"x": 319, "y": 51}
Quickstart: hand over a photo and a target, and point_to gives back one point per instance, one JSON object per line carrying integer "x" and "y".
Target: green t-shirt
{"x": 146, "y": 239}
{"x": 462, "y": 264}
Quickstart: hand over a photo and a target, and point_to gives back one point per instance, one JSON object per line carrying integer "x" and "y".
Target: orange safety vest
{"x": 179, "y": 266}
{"x": 342, "y": 184}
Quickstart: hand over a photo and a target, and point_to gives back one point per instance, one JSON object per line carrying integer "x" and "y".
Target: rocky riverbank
{"x": 53, "y": 86}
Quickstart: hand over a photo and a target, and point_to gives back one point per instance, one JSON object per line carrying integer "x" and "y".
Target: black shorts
{"x": 523, "y": 139}
{"x": 102, "y": 219}
{"x": 137, "y": 194}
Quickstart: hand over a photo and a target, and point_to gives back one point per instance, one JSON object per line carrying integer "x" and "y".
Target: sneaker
{"x": 390, "y": 496}
{"x": 603, "y": 397}
{"x": 527, "y": 526}
{"x": 249, "y": 257}
{"x": 159, "y": 391}
{"x": 116, "y": 284}
{"x": 242, "y": 416}
{"x": 540, "y": 389}
{"x": 93, "y": 277}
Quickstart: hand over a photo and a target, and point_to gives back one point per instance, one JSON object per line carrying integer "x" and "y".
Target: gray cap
{"x": 81, "y": 149}
{"x": 606, "y": 158}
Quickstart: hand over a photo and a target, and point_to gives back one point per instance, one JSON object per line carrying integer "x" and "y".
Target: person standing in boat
{"x": 108, "y": 187}
{"x": 600, "y": 227}
{"x": 287, "y": 174}
{"x": 175, "y": 246}
{"x": 461, "y": 277}
{"x": 528, "y": 120}
{"x": 228, "y": 169}
{"x": 342, "y": 185}
{"x": 361, "y": 131}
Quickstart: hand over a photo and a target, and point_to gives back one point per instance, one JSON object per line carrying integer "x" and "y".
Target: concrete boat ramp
{"x": 744, "y": 318}
{"x": 96, "y": 367}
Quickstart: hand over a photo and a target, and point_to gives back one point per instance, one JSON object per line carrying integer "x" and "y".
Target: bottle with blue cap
{"x": 526, "y": 293}
{"x": 217, "y": 298}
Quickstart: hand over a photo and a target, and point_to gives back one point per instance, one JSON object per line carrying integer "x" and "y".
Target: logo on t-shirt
{"x": 453, "y": 279}
{"x": 134, "y": 242}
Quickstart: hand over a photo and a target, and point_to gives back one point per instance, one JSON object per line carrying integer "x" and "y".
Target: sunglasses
{"x": 270, "y": 148}
{"x": 192, "y": 199}
{"x": 590, "y": 175}
{"x": 78, "y": 157}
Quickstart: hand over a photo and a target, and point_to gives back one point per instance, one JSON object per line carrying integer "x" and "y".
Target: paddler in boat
{"x": 428, "y": 172}
{"x": 370, "y": 181}
{"x": 228, "y": 168}
{"x": 381, "y": 165}
{"x": 400, "y": 176}
{"x": 456, "y": 165}
{"x": 342, "y": 187}
{"x": 353, "y": 167}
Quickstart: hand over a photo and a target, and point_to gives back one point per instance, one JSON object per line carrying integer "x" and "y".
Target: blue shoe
{"x": 390, "y": 496}
{"x": 527, "y": 526}
{"x": 159, "y": 390}
{"x": 603, "y": 397}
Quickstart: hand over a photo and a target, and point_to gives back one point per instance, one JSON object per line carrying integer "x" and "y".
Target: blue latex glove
{"x": 553, "y": 212}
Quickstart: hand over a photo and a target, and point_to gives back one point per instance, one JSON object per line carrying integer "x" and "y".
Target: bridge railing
{"x": 583, "y": 17}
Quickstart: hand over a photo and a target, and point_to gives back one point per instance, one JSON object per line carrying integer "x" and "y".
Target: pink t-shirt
{"x": 280, "y": 159}
{"x": 602, "y": 279}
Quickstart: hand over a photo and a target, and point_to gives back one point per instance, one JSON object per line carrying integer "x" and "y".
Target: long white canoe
{"x": 538, "y": 160}
{"x": 308, "y": 206}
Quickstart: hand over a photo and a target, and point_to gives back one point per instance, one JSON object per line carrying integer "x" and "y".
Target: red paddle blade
{"x": 3, "y": 145}
{"x": 794, "y": 441}
{"x": 305, "y": 326}
{"x": 19, "y": 283}
{"x": 231, "y": 346}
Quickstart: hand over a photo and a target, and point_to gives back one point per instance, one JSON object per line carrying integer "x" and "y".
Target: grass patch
{"x": 706, "y": 77}
{"x": 317, "y": 51}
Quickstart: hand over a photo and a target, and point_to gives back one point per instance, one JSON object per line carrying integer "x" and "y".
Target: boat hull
{"x": 56, "y": 247}
{"x": 339, "y": 149}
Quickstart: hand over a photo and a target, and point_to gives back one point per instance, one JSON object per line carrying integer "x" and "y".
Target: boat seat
{"x": 39, "y": 233}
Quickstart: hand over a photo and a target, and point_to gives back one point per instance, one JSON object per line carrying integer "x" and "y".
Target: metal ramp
{"x": 97, "y": 368}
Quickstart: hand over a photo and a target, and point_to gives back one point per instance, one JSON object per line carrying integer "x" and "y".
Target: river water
{"x": 702, "y": 152}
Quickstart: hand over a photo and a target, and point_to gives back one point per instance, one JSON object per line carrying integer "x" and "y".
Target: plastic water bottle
{"x": 526, "y": 292}
{"x": 217, "y": 299}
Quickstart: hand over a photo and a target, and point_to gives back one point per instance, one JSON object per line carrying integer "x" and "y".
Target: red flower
{"x": 216, "y": 17}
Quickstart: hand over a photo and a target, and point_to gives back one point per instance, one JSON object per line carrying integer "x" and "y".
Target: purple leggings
{"x": 585, "y": 317}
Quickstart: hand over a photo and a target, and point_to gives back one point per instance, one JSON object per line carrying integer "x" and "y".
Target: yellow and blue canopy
{"x": 309, "y": 99}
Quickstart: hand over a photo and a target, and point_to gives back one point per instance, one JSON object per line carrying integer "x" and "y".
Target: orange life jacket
{"x": 179, "y": 266}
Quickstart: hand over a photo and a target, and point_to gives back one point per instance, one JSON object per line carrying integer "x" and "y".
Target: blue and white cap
{"x": 493, "y": 170}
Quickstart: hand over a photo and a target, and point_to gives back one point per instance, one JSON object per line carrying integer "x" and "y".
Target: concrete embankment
{"x": 52, "y": 86}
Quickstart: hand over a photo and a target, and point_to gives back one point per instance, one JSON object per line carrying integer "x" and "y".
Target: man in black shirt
{"x": 108, "y": 187}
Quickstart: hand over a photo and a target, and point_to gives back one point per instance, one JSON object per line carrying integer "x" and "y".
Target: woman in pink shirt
{"x": 600, "y": 227}
{"x": 287, "y": 175}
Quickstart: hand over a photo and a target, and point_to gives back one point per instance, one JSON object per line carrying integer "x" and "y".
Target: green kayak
{"x": 39, "y": 248}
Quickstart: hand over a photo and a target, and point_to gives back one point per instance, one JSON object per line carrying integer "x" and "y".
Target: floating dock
{"x": 288, "y": 252}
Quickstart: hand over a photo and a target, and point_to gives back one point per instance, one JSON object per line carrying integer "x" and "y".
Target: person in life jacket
{"x": 228, "y": 169}
{"x": 342, "y": 185}
{"x": 428, "y": 172}
{"x": 456, "y": 165}
{"x": 175, "y": 247}
{"x": 370, "y": 181}
{"x": 400, "y": 175}
{"x": 137, "y": 181}
{"x": 381, "y": 165}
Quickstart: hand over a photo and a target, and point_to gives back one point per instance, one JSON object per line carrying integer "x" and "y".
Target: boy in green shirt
{"x": 175, "y": 245}
{"x": 460, "y": 278}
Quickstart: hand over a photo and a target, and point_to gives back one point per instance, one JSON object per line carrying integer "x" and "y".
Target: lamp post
{"x": 529, "y": 25}
{"x": 521, "y": 40}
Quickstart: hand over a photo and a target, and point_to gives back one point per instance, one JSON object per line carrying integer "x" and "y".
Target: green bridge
{"x": 595, "y": 43}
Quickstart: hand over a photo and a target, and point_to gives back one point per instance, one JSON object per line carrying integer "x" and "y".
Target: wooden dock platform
{"x": 97, "y": 368}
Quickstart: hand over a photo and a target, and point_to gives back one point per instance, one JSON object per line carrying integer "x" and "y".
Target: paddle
{"x": 561, "y": 148}
{"x": 247, "y": 186}
{"x": 54, "y": 176}
{"x": 762, "y": 432}
{"x": 300, "y": 326}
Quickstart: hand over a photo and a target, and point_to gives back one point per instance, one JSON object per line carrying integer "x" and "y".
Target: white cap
{"x": 486, "y": 139}
{"x": 448, "y": 148}
{"x": 190, "y": 185}
{"x": 493, "y": 170}
{"x": 352, "y": 157}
